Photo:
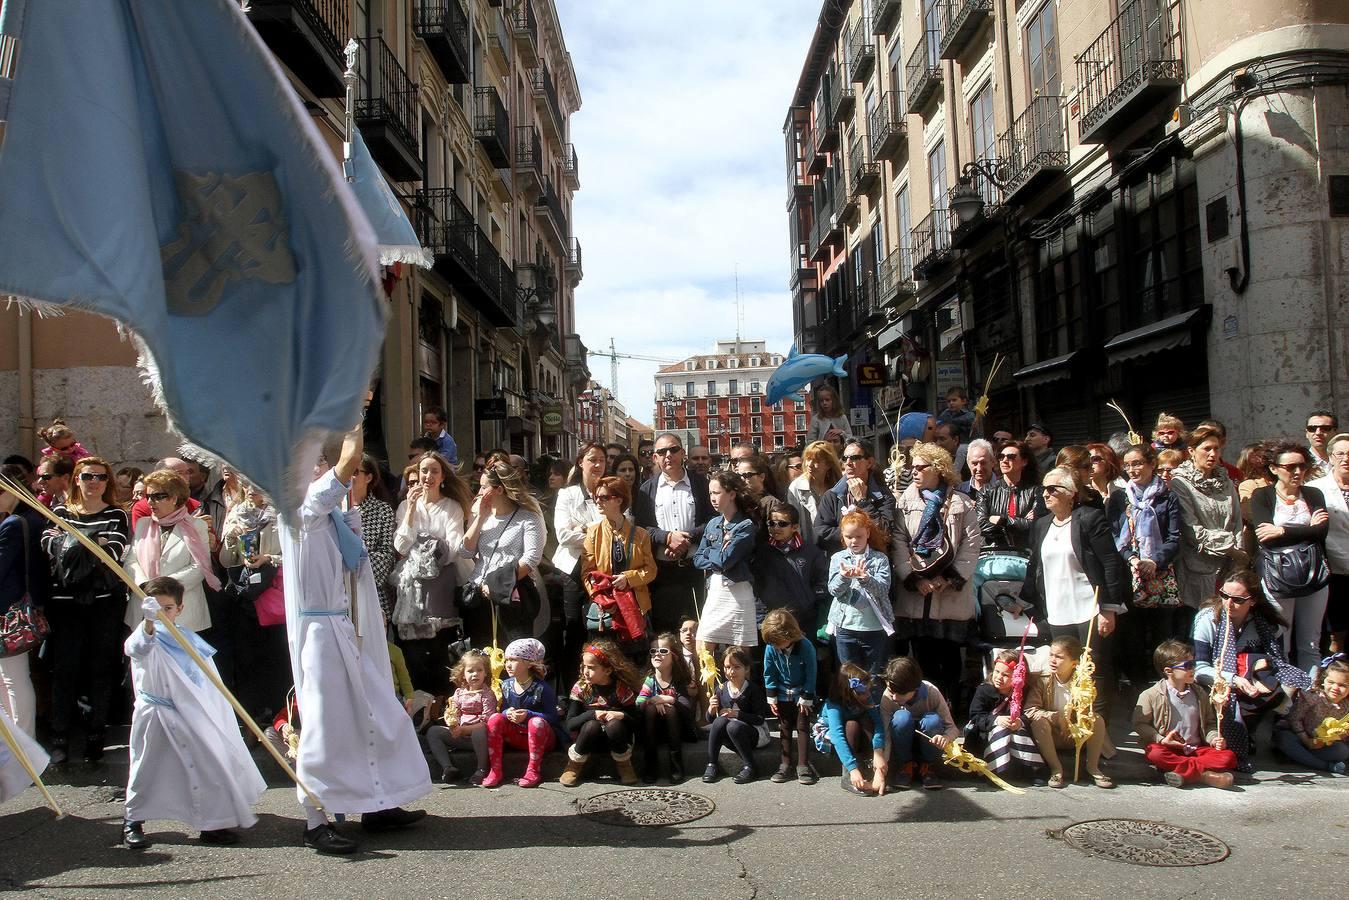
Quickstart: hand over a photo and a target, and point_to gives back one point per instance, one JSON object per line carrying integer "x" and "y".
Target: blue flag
{"x": 395, "y": 235}
{"x": 158, "y": 168}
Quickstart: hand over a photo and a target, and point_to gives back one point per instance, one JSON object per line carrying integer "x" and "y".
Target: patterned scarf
{"x": 1289, "y": 674}
{"x": 930, "y": 535}
{"x": 149, "y": 548}
{"x": 1141, "y": 522}
{"x": 792, "y": 543}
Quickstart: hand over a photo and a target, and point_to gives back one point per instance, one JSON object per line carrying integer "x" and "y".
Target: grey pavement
{"x": 1287, "y": 833}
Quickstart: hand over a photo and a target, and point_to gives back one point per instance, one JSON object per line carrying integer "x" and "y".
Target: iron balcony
{"x": 491, "y": 127}
{"x": 307, "y": 37}
{"x": 960, "y": 21}
{"x": 464, "y": 255}
{"x": 923, "y": 73}
{"x": 443, "y": 27}
{"x": 1035, "y": 148}
{"x": 386, "y": 111}
{"x": 1132, "y": 64}
{"x": 861, "y": 51}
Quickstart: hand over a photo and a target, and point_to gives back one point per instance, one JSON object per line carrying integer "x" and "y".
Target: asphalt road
{"x": 1287, "y": 833}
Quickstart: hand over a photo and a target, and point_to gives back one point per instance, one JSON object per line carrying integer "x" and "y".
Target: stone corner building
{"x": 1156, "y": 215}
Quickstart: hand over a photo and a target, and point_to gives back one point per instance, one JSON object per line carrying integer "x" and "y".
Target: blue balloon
{"x": 799, "y": 370}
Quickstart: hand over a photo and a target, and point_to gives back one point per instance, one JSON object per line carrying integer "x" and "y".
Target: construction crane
{"x": 614, "y": 356}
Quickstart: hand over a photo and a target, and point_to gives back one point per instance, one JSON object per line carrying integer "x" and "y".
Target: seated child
{"x": 849, "y": 719}
{"x": 1328, "y": 699}
{"x": 1046, "y": 698}
{"x": 738, "y": 710}
{"x": 600, "y": 711}
{"x": 1177, "y": 722}
{"x": 188, "y": 760}
{"x": 667, "y": 708}
{"x": 528, "y": 717}
{"x": 466, "y": 717}
{"x": 910, "y": 705}
{"x": 1007, "y": 742}
{"x": 789, "y": 679}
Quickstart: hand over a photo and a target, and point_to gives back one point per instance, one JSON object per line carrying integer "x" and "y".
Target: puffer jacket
{"x": 1012, "y": 532}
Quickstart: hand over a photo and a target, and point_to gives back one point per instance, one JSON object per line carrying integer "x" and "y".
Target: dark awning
{"x": 1046, "y": 371}
{"x": 1168, "y": 334}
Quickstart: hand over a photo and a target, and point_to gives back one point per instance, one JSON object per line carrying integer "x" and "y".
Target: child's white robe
{"x": 13, "y": 777}
{"x": 188, "y": 761}
{"x": 358, "y": 748}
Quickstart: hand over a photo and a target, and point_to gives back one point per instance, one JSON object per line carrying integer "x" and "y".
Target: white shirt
{"x": 674, "y": 505}
{"x": 1069, "y": 598}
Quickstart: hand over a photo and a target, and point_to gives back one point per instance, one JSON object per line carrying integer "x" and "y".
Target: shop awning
{"x": 1050, "y": 370}
{"x": 1168, "y": 334}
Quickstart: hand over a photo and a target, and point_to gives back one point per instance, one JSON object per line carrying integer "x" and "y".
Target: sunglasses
{"x": 1098, "y": 459}
{"x": 1184, "y": 665}
{"x": 157, "y": 497}
{"x": 1009, "y": 456}
{"x": 1055, "y": 488}
{"x": 853, "y": 457}
{"x": 93, "y": 476}
{"x": 666, "y": 451}
{"x": 1166, "y": 469}
{"x": 919, "y": 467}
{"x": 660, "y": 651}
{"x": 45, "y": 477}
{"x": 1292, "y": 467}
{"x": 1320, "y": 427}
{"x": 779, "y": 523}
{"x": 1233, "y": 598}
{"x": 602, "y": 498}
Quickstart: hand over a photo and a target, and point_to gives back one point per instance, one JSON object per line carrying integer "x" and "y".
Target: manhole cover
{"x": 1144, "y": 843}
{"x": 646, "y": 807}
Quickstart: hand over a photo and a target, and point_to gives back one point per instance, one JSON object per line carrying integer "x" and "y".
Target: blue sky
{"x": 683, "y": 175}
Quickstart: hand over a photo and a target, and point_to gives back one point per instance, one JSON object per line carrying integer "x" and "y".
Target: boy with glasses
{"x": 1177, "y": 722}
{"x": 791, "y": 573}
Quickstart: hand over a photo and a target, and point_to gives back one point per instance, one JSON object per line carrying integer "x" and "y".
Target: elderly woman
{"x": 616, "y": 556}
{"x": 171, "y": 541}
{"x": 505, "y": 538}
{"x": 430, "y": 535}
{"x": 936, "y": 546}
{"x": 1237, "y": 631}
{"x": 574, "y": 513}
{"x": 86, "y": 605}
{"x": 820, "y": 472}
{"x": 1291, "y": 520}
{"x": 1210, "y": 514}
{"x": 1145, "y": 519}
{"x": 23, "y": 576}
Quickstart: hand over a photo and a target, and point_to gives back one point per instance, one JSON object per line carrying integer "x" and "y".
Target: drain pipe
{"x": 27, "y": 427}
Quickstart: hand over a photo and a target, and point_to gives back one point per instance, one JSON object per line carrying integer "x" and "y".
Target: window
{"x": 1042, "y": 53}
{"x": 1058, "y": 300}
{"x": 800, "y": 422}
{"x": 776, "y": 360}
{"x": 755, "y": 425}
{"x": 735, "y": 405}
{"x": 903, "y": 221}
{"x": 714, "y": 446}
{"x": 734, "y": 387}
{"x": 688, "y": 389}
{"x": 896, "y": 57}
{"x": 712, "y": 407}
{"x": 754, "y": 407}
{"x": 713, "y": 426}
{"x": 779, "y": 442}
{"x": 932, "y": 16}
{"x": 690, "y": 365}
{"x": 711, "y": 389}
{"x": 755, "y": 361}
{"x": 777, "y": 423}
{"x": 690, "y": 407}
{"x": 981, "y": 136}
{"x": 711, "y": 363}
{"x": 733, "y": 362}
{"x": 936, "y": 183}
{"x": 669, "y": 388}
{"x": 1164, "y": 273}
{"x": 754, "y": 387}
{"x": 735, "y": 424}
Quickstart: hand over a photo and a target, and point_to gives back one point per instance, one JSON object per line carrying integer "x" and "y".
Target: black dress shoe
{"x": 134, "y": 836}
{"x": 390, "y": 819}
{"x": 676, "y": 767}
{"x": 745, "y": 775}
{"x": 220, "y": 837}
{"x": 325, "y": 839}
{"x": 711, "y": 773}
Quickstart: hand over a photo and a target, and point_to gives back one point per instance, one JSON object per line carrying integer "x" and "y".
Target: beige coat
{"x": 956, "y": 603}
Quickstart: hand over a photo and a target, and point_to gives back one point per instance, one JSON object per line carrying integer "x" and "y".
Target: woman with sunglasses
{"x": 619, "y": 552}
{"x": 1237, "y": 639}
{"x": 1290, "y": 517}
{"x": 574, "y": 512}
{"x": 1011, "y": 502}
{"x": 86, "y": 607}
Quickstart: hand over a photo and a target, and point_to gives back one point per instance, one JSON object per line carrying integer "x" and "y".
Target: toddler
{"x": 861, "y": 619}
{"x": 1177, "y": 721}
{"x": 666, "y": 706}
{"x": 60, "y": 441}
{"x": 738, "y": 710}
{"x": 466, "y": 717}
{"x": 1046, "y": 697}
{"x": 789, "y": 679}
{"x": 600, "y": 710}
{"x": 1006, "y": 740}
{"x": 910, "y": 705}
{"x": 528, "y": 717}
{"x": 1328, "y": 699}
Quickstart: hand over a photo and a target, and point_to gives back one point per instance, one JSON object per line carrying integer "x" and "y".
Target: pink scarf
{"x": 148, "y": 548}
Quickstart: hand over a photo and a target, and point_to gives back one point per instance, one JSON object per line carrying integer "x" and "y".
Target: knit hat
{"x": 912, "y": 425}
{"x": 527, "y": 649}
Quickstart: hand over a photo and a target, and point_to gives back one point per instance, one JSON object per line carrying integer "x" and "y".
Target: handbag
{"x": 25, "y": 626}
{"x": 471, "y": 595}
{"x": 1161, "y": 590}
{"x": 1293, "y": 571}
{"x": 596, "y": 618}
{"x": 270, "y": 605}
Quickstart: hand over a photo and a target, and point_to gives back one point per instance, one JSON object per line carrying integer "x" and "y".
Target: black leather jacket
{"x": 1011, "y": 532}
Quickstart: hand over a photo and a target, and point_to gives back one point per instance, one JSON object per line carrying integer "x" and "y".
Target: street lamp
{"x": 965, "y": 199}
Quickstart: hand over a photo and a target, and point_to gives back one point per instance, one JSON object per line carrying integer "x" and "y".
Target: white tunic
{"x": 13, "y": 777}
{"x": 188, "y": 762}
{"x": 1069, "y": 597}
{"x": 358, "y": 749}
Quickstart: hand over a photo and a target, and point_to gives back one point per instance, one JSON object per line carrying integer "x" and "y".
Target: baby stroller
{"x": 1003, "y": 617}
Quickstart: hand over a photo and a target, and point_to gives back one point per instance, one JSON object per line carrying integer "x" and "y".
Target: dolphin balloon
{"x": 799, "y": 370}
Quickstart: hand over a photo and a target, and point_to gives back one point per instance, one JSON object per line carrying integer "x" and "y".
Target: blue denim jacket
{"x": 728, "y": 558}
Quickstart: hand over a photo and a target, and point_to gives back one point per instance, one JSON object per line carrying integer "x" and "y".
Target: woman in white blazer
{"x": 171, "y": 541}
{"x": 575, "y": 512}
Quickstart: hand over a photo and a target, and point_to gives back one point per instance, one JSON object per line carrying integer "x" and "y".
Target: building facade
{"x": 601, "y": 418}
{"x": 465, "y": 105}
{"x": 718, "y": 400}
{"x": 1076, "y": 201}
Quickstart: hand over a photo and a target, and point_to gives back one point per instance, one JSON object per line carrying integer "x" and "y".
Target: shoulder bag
{"x": 24, "y": 626}
{"x": 499, "y": 583}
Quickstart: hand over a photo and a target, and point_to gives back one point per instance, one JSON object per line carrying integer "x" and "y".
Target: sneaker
{"x": 928, "y": 776}
{"x": 902, "y": 779}
{"x": 450, "y": 774}
{"x": 1173, "y": 779}
{"x": 782, "y": 775}
{"x": 477, "y": 776}
{"x": 1337, "y": 768}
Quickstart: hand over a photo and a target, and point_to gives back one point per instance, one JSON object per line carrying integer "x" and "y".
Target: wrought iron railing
{"x": 386, "y": 92}
{"x": 894, "y": 275}
{"x": 1035, "y": 142}
{"x": 959, "y": 20}
{"x": 923, "y": 72}
{"x": 1139, "y": 45}
{"x": 574, "y": 255}
{"x": 861, "y": 50}
{"x": 931, "y": 238}
{"x": 543, "y": 81}
{"x": 844, "y": 102}
{"x": 884, "y": 15}
{"x": 528, "y": 149}
{"x": 551, "y": 202}
{"x": 863, "y": 169}
{"x": 445, "y": 20}
{"x": 524, "y": 22}
{"x": 571, "y": 167}
{"x": 490, "y": 124}
{"x": 447, "y": 229}
{"x": 887, "y": 125}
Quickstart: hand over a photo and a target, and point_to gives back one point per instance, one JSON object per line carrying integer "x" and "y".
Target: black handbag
{"x": 500, "y": 582}
{"x": 1293, "y": 571}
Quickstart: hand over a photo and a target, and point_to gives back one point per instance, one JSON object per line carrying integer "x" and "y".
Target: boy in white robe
{"x": 188, "y": 761}
{"x": 13, "y": 776}
{"x": 358, "y": 749}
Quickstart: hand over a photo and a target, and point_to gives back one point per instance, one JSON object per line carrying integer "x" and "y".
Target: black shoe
{"x": 220, "y": 837}
{"x": 390, "y": 819}
{"x": 93, "y": 747}
{"x": 711, "y": 773}
{"x": 676, "y": 767}
{"x": 745, "y": 775}
{"x": 325, "y": 839}
{"x": 650, "y": 769}
{"x": 59, "y": 751}
{"x": 134, "y": 836}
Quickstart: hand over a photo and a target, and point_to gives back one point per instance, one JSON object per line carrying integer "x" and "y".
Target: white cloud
{"x": 683, "y": 175}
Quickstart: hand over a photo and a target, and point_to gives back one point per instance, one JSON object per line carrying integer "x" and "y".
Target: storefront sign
{"x": 871, "y": 375}
{"x": 550, "y": 416}
{"x": 490, "y": 409}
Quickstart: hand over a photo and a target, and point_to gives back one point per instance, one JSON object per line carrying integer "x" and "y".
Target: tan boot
{"x": 626, "y": 773}
{"x": 576, "y": 764}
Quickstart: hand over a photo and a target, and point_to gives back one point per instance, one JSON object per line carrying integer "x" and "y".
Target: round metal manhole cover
{"x": 649, "y": 807}
{"x": 1145, "y": 843}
